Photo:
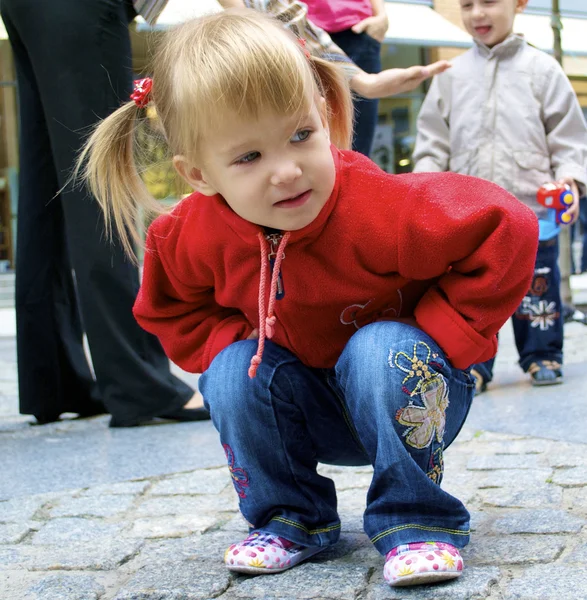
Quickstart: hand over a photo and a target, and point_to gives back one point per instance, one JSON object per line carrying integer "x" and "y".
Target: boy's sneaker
{"x": 480, "y": 384}
{"x": 262, "y": 553}
{"x": 422, "y": 562}
{"x": 545, "y": 372}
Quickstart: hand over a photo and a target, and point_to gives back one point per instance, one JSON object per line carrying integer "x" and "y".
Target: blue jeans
{"x": 377, "y": 406}
{"x": 365, "y": 52}
{"x": 538, "y": 323}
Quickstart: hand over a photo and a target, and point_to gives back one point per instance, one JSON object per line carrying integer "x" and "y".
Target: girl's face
{"x": 274, "y": 171}
{"x": 490, "y": 21}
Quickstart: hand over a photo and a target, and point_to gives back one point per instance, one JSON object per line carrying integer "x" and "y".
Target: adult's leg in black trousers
{"x": 53, "y": 373}
{"x": 83, "y": 74}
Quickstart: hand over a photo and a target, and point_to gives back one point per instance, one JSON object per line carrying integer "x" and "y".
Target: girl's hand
{"x": 375, "y": 26}
{"x": 573, "y": 210}
{"x": 254, "y": 335}
{"x": 395, "y": 81}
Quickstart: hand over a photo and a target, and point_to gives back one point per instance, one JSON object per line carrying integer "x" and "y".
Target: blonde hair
{"x": 237, "y": 61}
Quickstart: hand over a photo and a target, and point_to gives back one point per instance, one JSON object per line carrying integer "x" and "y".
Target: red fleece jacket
{"x": 455, "y": 252}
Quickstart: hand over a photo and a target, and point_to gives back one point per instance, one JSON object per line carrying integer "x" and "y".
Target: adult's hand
{"x": 395, "y": 81}
{"x": 375, "y": 26}
{"x": 573, "y": 210}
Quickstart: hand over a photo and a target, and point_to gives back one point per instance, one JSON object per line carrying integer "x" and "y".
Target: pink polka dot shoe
{"x": 422, "y": 562}
{"x": 262, "y": 553}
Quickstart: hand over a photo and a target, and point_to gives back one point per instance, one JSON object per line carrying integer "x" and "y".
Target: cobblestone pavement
{"x": 160, "y": 534}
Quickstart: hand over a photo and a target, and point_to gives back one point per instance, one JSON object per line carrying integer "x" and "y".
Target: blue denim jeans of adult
{"x": 392, "y": 401}
{"x": 365, "y": 52}
{"x": 538, "y": 322}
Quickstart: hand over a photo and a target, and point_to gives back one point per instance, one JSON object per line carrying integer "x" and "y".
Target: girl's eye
{"x": 248, "y": 158}
{"x": 301, "y": 136}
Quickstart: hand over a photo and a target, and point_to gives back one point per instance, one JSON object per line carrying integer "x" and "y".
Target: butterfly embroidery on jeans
{"x": 240, "y": 479}
{"x": 427, "y": 421}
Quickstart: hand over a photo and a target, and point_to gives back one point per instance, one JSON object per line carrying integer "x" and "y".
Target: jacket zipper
{"x": 274, "y": 240}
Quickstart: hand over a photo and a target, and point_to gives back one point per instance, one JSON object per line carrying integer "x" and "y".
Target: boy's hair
{"x": 237, "y": 61}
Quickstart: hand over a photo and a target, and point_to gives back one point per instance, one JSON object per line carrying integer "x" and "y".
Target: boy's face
{"x": 490, "y": 21}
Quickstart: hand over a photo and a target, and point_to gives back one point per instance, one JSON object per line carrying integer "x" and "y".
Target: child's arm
{"x": 432, "y": 148}
{"x": 480, "y": 242}
{"x": 191, "y": 327}
{"x": 566, "y": 133}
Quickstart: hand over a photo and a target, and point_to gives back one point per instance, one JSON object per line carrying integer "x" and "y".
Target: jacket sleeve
{"x": 432, "y": 148}
{"x": 190, "y": 325}
{"x": 480, "y": 243}
{"x": 566, "y": 130}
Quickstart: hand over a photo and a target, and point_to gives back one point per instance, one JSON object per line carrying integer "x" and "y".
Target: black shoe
{"x": 188, "y": 414}
{"x": 43, "y": 419}
{"x": 181, "y": 415}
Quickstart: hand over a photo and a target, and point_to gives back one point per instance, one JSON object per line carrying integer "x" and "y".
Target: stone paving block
{"x": 506, "y": 461}
{"x": 474, "y": 584}
{"x": 512, "y": 550}
{"x": 13, "y": 533}
{"x": 351, "y": 521}
{"x": 93, "y": 506}
{"x": 349, "y": 479}
{"x": 169, "y": 527}
{"x": 102, "y": 556}
{"x": 574, "y": 477}
{"x": 187, "y": 505}
{"x": 328, "y": 581}
{"x": 13, "y": 585}
{"x": 566, "y": 455}
{"x": 538, "y": 521}
{"x": 185, "y": 580}
{"x": 75, "y": 530}
{"x": 578, "y": 555}
{"x": 67, "y": 587}
{"x": 560, "y": 582}
{"x": 202, "y": 481}
{"x": 480, "y": 520}
{"x": 10, "y": 558}
{"x": 513, "y": 446}
{"x": 521, "y": 479}
{"x": 17, "y": 510}
{"x": 123, "y": 488}
{"x": 533, "y": 497}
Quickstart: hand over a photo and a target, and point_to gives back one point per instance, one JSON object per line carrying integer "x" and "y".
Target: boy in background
{"x": 506, "y": 112}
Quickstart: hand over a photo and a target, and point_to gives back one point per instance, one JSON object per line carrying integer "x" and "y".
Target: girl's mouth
{"x": 294, "y": 201}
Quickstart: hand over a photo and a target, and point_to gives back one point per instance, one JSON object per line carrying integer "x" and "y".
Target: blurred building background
{"x": 420, "y": 31}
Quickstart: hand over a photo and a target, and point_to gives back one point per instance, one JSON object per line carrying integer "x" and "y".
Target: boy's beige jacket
{"x": 506, "y": 114}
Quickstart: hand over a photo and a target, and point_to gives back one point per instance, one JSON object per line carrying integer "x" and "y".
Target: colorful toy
{"x": 557, "y": 197}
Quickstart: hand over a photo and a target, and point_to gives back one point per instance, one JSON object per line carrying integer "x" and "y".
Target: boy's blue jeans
{"x": 393, "y": 401}
{"x": 538, "y": 322}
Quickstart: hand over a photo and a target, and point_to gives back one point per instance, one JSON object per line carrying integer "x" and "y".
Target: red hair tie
{"x": 302, "y": 43}
{"x": 142, "y": 92}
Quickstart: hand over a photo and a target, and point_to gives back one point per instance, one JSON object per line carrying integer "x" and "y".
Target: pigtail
{"x": 335, "y": 89}
{"x": 108, "y": 166}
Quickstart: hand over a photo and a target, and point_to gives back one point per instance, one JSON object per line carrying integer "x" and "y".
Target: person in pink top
{"x": 358, "y": 27}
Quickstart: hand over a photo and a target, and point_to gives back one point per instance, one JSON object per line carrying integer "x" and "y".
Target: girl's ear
{"x": 193, "y": 176}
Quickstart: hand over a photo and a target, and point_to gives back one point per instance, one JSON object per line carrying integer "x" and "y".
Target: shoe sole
{"x": 425, "y": 578}
{"x": 547, "y": 382}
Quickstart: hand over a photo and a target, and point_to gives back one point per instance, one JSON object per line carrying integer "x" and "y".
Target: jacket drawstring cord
{"x": 267, "y": 320}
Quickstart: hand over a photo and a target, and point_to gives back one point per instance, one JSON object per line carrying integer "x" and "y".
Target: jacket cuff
{"x": 227, "y": 332}
{"x": 462, "y": 345}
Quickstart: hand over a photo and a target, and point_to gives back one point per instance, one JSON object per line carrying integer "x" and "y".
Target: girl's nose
{"x": 285, "y": 173}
